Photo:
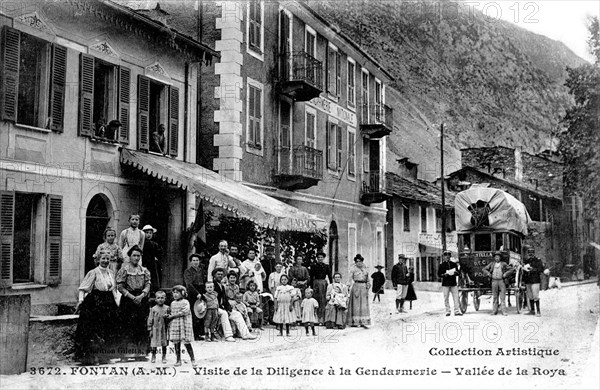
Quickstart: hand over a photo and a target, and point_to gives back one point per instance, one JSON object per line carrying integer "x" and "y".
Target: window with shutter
{"x": 366, "y": 154}
{"x": 143, "y": 112}
{"x": 124, "y": 96}
{"x": 173, "y": 120}
{"x": 54, "y": 239}
{"x": 86, "y": 95}
{"x": 351, "y": 82}
{"x": 351, "y": 153}
{"x": 33, "y": 81}
{"x": 58, "y": 83}
{"x": 255, "y": 109}
{"x": 255, "y": 25}
{"x": 7, "y": 211}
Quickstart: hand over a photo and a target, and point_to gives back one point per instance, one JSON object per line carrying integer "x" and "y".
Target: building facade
{"x": 414, "y": 219}
{"x": 68, "y": 70}
{"x": 300, "y": 115}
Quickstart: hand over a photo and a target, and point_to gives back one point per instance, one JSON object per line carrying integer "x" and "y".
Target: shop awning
{"x": 243, "y": 201}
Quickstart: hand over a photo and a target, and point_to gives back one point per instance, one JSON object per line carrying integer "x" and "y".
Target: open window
{"x": 33, "y": 81}
{"x": 158, "y": 117}
{"x": 104, "y": 90}
{"x": 483, "y": 242}
{"x": 30, "y": 238}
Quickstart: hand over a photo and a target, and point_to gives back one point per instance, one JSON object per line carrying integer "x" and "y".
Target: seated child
{"x": 240, "y": 306}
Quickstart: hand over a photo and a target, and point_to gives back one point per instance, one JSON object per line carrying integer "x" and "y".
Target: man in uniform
{"x": 448, "y": 271}
{"x": 532, "y": 269}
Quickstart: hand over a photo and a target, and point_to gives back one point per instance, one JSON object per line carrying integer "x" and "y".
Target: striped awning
{"x": 241, "y": 200}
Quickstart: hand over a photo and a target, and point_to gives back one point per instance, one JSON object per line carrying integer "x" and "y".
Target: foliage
{"x": 307, "y": 243}
{"x": 579, "y": 142}
{"x": 236, "y": 231}
{"x": 247, "y": 235}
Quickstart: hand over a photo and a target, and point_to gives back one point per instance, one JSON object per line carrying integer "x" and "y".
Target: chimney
{"x": 518, "y": 164}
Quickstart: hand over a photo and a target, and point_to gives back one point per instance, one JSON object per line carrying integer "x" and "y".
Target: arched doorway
{"x": 96, "y": 220}
{"x": 333, "y": 247}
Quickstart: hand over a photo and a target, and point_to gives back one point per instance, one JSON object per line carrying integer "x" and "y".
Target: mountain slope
{"x": 490, "y": 81}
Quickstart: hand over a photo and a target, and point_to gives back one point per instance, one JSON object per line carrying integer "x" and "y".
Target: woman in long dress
{"x": 337, "y": 302}
{"x": 133, "y": 281}
{"x": 358, "y": 303}
{"x": 98, "y": 315}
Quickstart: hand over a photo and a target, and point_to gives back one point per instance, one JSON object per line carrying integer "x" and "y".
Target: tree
{"x": 581, "y": 137}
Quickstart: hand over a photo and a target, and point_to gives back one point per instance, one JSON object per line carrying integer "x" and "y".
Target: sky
{"x": 562, "y": 20}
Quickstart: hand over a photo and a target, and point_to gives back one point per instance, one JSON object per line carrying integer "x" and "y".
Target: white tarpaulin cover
{"x": 489, "y": 208}
{"x": 243, "y": 201}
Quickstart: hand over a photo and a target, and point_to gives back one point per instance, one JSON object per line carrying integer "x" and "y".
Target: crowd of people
{"x": 124, "y": 313}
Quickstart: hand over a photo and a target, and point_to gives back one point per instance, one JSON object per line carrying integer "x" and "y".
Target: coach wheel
{"x": 464, "y": 300}
{"x": 476, "y": 300}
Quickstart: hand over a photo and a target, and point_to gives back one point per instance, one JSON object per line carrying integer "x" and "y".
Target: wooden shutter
{"x": 258, "y": 113}
{"x": 57, "y": 93}
{"x": 173, "y": 120}
{"x": 329, "y": 142}
{"x": 54, "y": 239}
{"x": 338, "y": 140}
{"x": 124, "y": 94}
{"x": 11, "y": 44}
{"x": 258, "y": 22}
{"x": 86, "y": 95}
{"x": 7, "y": 212}
{"x": 338, "y": 74}
{"x": 143, "y": 112}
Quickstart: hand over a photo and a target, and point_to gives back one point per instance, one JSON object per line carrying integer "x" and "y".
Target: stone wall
{"x": 546, "y": 174}
{"x": 498, "y": 161}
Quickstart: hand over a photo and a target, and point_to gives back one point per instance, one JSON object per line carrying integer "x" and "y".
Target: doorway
{"x": 96, "y": 221}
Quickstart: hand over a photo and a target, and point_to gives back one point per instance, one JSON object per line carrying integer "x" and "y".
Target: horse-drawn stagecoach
{"x": 488, "y": 220}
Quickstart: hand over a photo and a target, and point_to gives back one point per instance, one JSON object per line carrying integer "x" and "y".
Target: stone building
{"x": 300, "y": 115}
{"x": 68, "y": 70}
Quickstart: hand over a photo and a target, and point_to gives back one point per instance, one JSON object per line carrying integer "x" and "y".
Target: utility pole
{"x": 443, "y": 188}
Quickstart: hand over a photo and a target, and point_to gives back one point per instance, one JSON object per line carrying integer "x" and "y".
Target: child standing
{"x": 378, "y": 283}
{"x": 181, "y": 328}
{"x": 131, "y": 236}
{"x": 309, "y": 311}
{"x": 284, "y": 314}
{"x": 212, "y": 315}
{"x": 252, "y": 301}
{"x": 116, "y": 255}
{"x": 157, "y": 326}
{"x": 296, "y": 300}
{"x": 411, "y": 295}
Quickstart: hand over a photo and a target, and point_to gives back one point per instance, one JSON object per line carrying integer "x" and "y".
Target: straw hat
{"x": 200, "y": 308}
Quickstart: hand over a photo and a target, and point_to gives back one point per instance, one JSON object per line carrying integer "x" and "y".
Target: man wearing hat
{"x": 448, "y": 272}
{"x": 320, "y": 276}
{"x": 152, "y": 257}
{"x": 400, "y": 281}
{"x": 497, "y": 270}
{"x": 532, "y": 269}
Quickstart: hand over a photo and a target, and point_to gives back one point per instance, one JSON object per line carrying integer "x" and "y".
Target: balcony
{"x": 298, "y": 168}
{"x": 376, "y": 120}
{"x": 305, "y": 81}
{"x": 372, "y": 188}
